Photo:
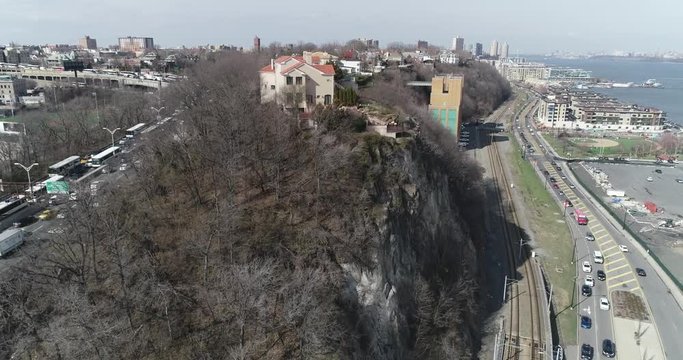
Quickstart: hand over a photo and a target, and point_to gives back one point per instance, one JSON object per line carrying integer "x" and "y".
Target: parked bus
{"x": 130, "y": 133}
{"x": 97, "y": 160}
{"x": 581, "y": 218}
{"x": 12, "y": 204}
{"x": 64, "y": 167}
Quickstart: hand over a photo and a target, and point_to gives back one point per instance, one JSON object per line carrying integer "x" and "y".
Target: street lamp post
{"x": 28, "y": 174}
{"x": 111, "y": 132}
{"x": 158, "y": 111}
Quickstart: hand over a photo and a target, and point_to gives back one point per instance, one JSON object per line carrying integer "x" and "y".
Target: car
{"x": 601, "y": 275}
{"x": 650, "y": 179}
{"x": 561, "y": 193}
{"x": 586, "y": 290}
{"x": 590, "y": 237}
{"x": 546, "y": 172}
{"x": 555, "y": 186}
{"x": 623, "y": 248}
{"x": 680, "y": 181}
{"x": 587, "y": 267}
{"x": 123, "y": 167}
{"x": 589, "y": 281}
{"x": 47, "y": 215}
{"x": 572, "y": 186}
{"x": 658, "y": 171}
{"x": 586, "y": 322}
{"x": 558, "y": 168}
{"x": 552, "y": 179}
{"x": 640, "y": 272}
{"x": 604, "y": 303}
{"x": 563, "y": 177}
{"x": 608, "y": 348}
{"x": 568, "y": 203}
{"x": 56, "y": 231}
{"x": 61, "y": 216}
{"x": 586, "y": 352}
{"x": 553, "y": 163}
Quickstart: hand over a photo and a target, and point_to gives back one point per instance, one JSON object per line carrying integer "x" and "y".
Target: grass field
{"x": 553, "y": 237}
{"x": 580, "y": 147}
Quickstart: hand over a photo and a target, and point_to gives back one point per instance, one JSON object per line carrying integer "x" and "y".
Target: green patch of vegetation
{"x": 554, "y": 239}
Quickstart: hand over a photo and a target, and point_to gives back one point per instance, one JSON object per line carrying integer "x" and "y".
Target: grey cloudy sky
{"x": 529, "y": 26}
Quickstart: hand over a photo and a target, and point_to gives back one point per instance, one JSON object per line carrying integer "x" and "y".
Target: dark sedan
{"x": 601, "y": 275}
{"x": 640, "y": 272}
{"x": 586, "y": 291}
{"x": 586, "y": 322}
{"x": 608, "y": 348}
{"x": 586, "y": 352}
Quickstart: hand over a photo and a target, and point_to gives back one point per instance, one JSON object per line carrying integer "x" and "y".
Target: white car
{"x": 604, "y": 303}
{"x": 589, "y": 281}
{"x": 587, "y": 267}
{"x": 623, "y": 248}
{"x": 56, "y": 231}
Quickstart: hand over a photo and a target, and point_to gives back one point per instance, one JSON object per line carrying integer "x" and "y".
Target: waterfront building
{"x": 445, "y": 101}
{"x": 569, "y": 74}
{"x": 522, "y": 71}
{"x": 494, "y": 48}
{"x": 504, "y": 51}
{"x": 584, "y": 110}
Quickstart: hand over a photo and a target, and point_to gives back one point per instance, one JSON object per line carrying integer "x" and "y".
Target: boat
{"x": 651, "y": 83}
{"x": 622, "y": 85}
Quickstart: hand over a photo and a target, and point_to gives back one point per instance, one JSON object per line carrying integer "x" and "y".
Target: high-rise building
{"x": 494, "y": 48}
{"x": 135, "y": 44}
{"x": 458, "y": 44}
{"x": 88, "y": 43}
{"x": 504, "y": 51}
{"x": 257, "y": 44}
{"x": 478, "y": 49}
{"x": 470, "y": 48}
{"x": 422, "y": 45}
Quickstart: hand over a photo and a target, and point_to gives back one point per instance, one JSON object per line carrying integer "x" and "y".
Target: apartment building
{"x": 136, "y": 44}
{"x": 570, "y": 109}
{"x": 7, "y": 92}
{"x": 295, "y": 83}
{"x": 522, "y": 71}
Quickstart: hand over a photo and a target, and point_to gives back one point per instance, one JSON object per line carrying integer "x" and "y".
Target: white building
{"x": 350, "y": 66}
{"x": 448, "y": 57}
{"x": 296, "y": 84}
{"x": 494, "y": 48}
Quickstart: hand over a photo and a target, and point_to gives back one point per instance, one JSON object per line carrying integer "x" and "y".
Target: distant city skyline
{"x": 522, "y": 25}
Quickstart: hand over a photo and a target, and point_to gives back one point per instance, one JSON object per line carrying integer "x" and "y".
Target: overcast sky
{"x": 529, "y": 26}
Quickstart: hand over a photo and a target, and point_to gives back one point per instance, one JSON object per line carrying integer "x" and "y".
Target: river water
{"x": 668, "y": 98}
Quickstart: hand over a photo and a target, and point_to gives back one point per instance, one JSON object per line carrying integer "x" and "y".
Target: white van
{"x": 597, "y": 257}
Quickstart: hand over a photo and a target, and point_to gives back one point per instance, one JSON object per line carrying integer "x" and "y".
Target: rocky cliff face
{"x": 419, "y": 300}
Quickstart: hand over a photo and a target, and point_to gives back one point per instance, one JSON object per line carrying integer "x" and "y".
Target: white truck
{"x": 10, "y": 239}
{"x": 616, "y": 193}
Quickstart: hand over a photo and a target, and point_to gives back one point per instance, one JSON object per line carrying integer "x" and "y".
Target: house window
{"x": 299, "y": 80}
{"x": 328, "y": 99}
{"x": 290, "y": 80}
{"x": 272, "y": 87}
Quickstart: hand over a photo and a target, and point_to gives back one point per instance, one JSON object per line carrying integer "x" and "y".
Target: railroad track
{"x": 524, "y": 338}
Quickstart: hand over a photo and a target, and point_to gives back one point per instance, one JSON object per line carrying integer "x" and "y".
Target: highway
{"x": 619, "y": 268}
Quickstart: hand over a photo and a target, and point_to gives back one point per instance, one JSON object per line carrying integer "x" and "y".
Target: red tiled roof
{"x": 267, "y": 68}
{"x": 282, "y": 59}
{"x": 325, "y": 69}
{"x": 293, "y": 67}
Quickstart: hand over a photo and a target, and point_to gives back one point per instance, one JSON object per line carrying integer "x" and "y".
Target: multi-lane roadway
{"x": 619, "y": 268}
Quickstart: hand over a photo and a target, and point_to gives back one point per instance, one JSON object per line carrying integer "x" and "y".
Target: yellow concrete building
{"x": 445, "y": 101}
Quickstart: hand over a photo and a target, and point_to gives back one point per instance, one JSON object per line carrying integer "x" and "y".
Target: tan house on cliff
{"x": 298, "y": 83}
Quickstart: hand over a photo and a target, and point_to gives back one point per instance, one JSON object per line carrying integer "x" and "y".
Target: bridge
{"x": 51, "y": 77}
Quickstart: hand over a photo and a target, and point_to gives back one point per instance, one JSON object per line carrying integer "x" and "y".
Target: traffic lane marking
{"x": 622, "y": 283}
{"x": 599, "y": 231}
{"x": 612, "y": 278}
{"x": 607, "y": 256}
{"x": 604, "y": 243}
{"x": 609, "y": 248}
{"x": 635, "y": 289}
{"x": 609, "y": 264}
{"x": 616, "y": 268}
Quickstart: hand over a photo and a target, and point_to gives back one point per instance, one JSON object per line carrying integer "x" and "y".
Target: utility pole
{"x": 28, "y": 174}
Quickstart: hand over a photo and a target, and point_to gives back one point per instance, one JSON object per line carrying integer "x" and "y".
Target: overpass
{"x": 51, "y": 77}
